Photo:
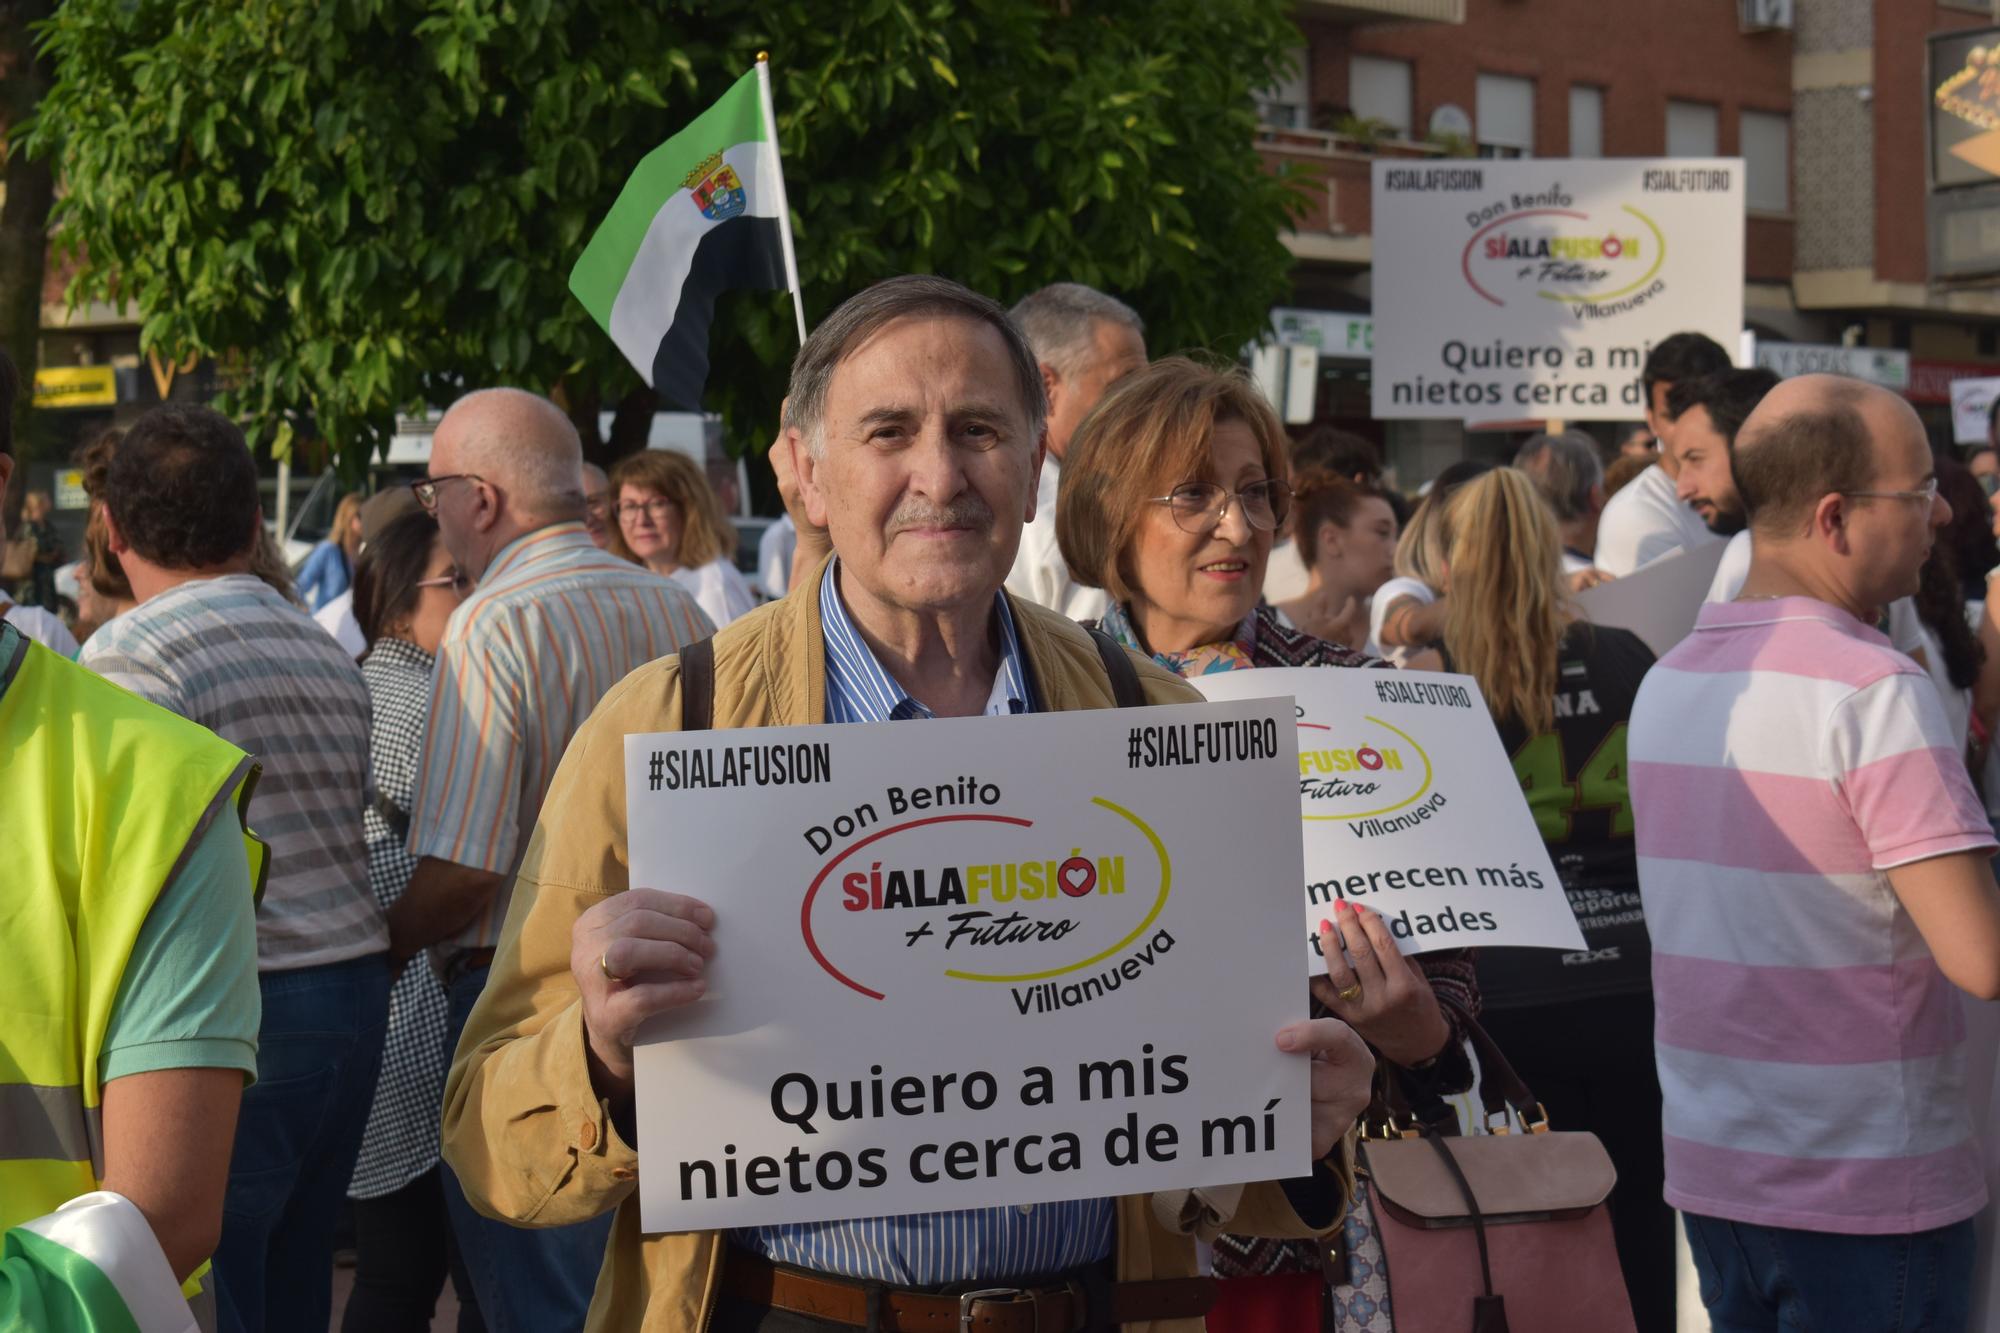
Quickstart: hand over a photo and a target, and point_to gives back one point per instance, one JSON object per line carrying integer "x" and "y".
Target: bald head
{"x": 1814, "y": 436}
{"x": 519, "y": 442}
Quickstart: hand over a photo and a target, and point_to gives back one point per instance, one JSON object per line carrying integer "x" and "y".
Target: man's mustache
{"x": 966, "y": 512}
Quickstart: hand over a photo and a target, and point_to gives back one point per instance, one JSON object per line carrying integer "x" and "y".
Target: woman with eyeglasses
{"x": 669, "y": 520}
{"x": 405, "y": 589}
{"x": 1171, "y": 495}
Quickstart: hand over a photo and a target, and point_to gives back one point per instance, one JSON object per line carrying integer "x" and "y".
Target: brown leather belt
{"x": 1057, "y": 1309}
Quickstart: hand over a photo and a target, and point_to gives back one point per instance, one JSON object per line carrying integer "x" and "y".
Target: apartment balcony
{"x": 1358, "y": 12}
{"x": 1332, "y": 171}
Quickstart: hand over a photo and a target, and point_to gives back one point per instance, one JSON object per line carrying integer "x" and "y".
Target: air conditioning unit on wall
{"x": 1764, "y": 15}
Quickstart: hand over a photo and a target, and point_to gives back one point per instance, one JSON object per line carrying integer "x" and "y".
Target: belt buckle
{"x": 1010, "y": 1294}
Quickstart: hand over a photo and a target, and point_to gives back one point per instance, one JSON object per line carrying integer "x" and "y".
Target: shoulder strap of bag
{"x": 1125, "y": 689}
{"x": 1500, "y": 1088}
{"x": 698, "y": 686}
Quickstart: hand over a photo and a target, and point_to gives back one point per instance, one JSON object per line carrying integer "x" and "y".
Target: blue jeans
{"x": 1775, "y": 1280}
{"x": 319, "y": 1048}
{"x": 539, "y": 1279}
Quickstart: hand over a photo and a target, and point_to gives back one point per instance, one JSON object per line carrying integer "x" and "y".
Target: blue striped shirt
{"x": 930, "y": 1249}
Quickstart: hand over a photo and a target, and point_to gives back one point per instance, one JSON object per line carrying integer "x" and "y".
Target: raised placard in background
{"x": 1534, "y": 288}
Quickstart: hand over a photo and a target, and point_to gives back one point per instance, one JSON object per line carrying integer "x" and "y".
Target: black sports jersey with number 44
{"x": 1574, "y": 778}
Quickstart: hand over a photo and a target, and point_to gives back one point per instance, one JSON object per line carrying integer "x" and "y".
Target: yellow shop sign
{"x": 76, "y": 386}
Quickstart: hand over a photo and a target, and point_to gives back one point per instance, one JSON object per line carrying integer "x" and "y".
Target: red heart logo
{"x": 1077, "y": 876}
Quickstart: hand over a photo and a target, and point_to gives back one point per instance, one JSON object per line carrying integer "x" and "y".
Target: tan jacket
{"x": 530, "y": 1140}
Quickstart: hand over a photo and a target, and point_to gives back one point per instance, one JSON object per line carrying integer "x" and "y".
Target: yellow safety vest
{"x": 102, "y": 797}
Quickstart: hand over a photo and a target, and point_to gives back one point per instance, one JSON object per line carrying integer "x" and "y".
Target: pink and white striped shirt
{"x": 1811, "y": 1054}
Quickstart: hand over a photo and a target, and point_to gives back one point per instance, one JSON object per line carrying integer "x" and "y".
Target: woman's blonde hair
{"x": 706, "y": 536}
{"x": 1426, "y": 541}
{"x": 1150, "y": 433}
{"x": 1506, "y": 611}
{"x": 344, "y": 533}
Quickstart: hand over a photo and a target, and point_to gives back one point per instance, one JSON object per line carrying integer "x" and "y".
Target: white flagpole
{"x": 784, "y": 207}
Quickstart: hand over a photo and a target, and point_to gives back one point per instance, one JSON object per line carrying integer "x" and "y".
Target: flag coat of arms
{"x": 704, "y": 213}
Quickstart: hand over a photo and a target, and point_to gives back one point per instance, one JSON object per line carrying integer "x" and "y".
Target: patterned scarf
{"x": 1231, "y": 654}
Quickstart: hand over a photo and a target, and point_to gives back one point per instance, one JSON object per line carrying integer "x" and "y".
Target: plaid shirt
{"x": 401, "y": 1140}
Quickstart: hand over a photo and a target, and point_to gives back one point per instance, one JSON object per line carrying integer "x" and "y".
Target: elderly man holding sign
{"x": 915, "y": 425}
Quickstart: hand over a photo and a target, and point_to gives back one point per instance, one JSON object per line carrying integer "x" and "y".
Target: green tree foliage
{"x": 376, "y": 203}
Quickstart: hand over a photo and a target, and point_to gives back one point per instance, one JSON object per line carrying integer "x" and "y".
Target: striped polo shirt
{"x": 1782, "y": 758}
{"x": 971, "y": 1244}
{"x": 552, "y": 626}
{"x": 232, "y": 654}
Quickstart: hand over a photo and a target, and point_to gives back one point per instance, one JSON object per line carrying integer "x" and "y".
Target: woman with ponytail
{"x": 1578, "y": 1027}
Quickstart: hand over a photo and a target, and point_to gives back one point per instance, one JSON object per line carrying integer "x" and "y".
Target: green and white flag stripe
{"x": 92, "y": 1266}
{"x": 702, "y": 214}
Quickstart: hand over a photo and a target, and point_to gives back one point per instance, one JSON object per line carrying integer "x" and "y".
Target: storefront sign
{"x": 1965, "y": 107}
{"x": 76, "y": 386}
{"x": 69, "y": 490}
{"x": 1535, "y": 288}
{"x": 1408, "y": 805}
{"x": 1931, "y": 381}
{"x": 973, "y": 962}
{"x": 1334, "y": 332}
{"x": 1878, "y": 365}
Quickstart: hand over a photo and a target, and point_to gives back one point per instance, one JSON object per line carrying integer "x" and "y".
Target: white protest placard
{"x": 973, "y": 962}
{"x": 1409, "y": 805}
{"x": 1971, "y": 401}
{"x": 1535, "y": 288}
{"x": 1659, "y": 601}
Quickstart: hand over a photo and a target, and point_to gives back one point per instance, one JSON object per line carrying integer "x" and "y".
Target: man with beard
{"x": 1707, "y": 414}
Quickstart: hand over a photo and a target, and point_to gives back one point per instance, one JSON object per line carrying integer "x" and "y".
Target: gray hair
{"x": 1059, "y": 322}
{"x": 1565, "y": 469}
{"x": 873, "y": 309}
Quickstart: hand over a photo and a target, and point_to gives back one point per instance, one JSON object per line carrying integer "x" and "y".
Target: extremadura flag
{"x": 703, "y": 213}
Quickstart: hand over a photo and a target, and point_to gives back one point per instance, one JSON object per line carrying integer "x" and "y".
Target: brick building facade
{"x": 1828, "y": 104}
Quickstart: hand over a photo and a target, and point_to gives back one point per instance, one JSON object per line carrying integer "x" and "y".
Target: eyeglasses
{"x": 1927, "y": 496}
{"x": 1198, "y": 506}
{"x": 657, "y": 509}
{"x": 426, "y": 488}
{"x": 456, "y": 581}
{"x": 596, "y": 504}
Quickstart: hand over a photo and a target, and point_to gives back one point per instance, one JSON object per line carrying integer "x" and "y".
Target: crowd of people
{"x": 342, "y": 910}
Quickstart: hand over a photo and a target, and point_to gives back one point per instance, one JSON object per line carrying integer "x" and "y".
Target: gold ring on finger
{"x": 1349, "y": 994}
{"x": 604, "y": 966}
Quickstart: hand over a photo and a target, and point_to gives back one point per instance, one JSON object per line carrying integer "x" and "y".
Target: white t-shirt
{"x": 1395, "y": 590}
{"x": 1644, "y": 521}
{"x": 1285, "y": 576}
{"x": 1040, "y": 575}
{"x": 39, "y": 625}
{"x": 337, "y": 619}
{"x": 774, "y": 557}
{"x": 718, "y": 589}
{"x": 1906, "y": 628}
